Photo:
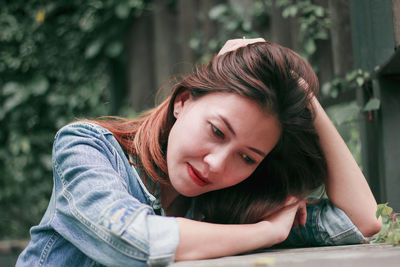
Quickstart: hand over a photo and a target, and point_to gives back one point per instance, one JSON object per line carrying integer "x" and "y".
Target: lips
{"x": 196, "y": 176}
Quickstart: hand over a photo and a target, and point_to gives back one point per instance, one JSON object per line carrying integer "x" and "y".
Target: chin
{"x": 188, "y": 193}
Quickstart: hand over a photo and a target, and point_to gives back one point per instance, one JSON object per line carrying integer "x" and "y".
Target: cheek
{"x": 185, "y": 140}
{"x": 237, "y": 173}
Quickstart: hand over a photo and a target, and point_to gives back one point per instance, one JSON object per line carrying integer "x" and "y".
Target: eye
{"x": 217, "y": 132}
{"x": 248, "y": 160}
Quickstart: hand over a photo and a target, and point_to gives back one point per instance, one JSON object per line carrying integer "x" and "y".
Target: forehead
{"x": 234, "y": 104}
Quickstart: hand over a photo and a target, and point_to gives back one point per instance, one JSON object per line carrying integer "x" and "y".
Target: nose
{"x": 217, "y": 160}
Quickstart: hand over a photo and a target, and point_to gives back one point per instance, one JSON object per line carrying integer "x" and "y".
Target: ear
{"x": 180, "y": 100}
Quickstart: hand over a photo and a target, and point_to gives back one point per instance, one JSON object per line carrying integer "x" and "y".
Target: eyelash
{"x": 219, "y": 134}
{"x": 248, "y": 160}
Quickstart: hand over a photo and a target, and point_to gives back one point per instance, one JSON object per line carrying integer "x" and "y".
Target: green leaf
{"x": 310, "y": 47}
{"x": 247, "y": 25}
{"x": 93, "y": 49}
{"x": 38, "y": 85}
{"x": 372, "y": 104}
{"x": 88, "y": 21}
{"x": 213, "y": 44}
{"x": 114, "y": 49}
{"x": 326, "y": 88}
{"x": 195, "y": 43}
{"x": 290, "y": 12}
{"x": 350, "y": 76}
{"x": 217, "y": 11}
{"x": 360, "y": 81}
{"x": 122, "y": 10}
{"x": 319, "y": 11}
{"x": 14, "y": 101}
{"x": 346, "y": 113}
{"x": 379, "y": 210}
{"x": 387, "y": 211}
{"x": 232, "y": 25}
{"x": 383, "y": 210}
{"x": 11, "y": 88}
{"x": 321, "y": 35}
{"x": 25, "y": 145}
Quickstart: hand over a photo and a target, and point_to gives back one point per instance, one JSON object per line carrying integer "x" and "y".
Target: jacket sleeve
{"x": 96, "y": 210}
{"x": 326, "y": 225}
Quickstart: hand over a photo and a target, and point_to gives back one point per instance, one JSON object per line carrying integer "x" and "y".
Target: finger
{"x": 302, "y": 214}
{"x": 234, "y": 44}
{"x": 296, "y": 220}
{"x": 291, "y": 200}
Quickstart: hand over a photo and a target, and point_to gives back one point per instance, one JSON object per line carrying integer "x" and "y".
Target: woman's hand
{"x": 201, "y": 240}
{"x": 301, "y": 215}
{"x": 293, "y": 213}
{"x": 234, "y": 44}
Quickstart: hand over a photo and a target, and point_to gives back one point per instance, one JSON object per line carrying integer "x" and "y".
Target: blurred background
{"x": 65, "y": 60}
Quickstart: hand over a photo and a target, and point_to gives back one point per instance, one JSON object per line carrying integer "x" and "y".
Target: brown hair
{"x": 279, "y": 81}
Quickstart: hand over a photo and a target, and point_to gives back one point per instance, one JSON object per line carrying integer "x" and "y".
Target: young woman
{"x": 223, "y": 166}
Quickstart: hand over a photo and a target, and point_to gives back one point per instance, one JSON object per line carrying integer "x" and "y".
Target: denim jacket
{"x": 99, "y": 213}
{"x": 326, "y": 224}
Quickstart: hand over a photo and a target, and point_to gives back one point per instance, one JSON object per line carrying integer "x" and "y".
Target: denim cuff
{"x": 164, "y": 239}
{"x": 326, "y": 225}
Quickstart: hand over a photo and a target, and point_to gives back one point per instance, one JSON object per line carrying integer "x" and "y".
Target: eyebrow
{"x": 228, "y": 125}
{"x": 257, "y": 151}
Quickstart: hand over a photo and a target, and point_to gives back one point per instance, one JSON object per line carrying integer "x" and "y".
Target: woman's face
{"x": 217, "y": 141}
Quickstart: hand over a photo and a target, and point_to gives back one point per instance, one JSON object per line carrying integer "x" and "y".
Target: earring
{"x": 176, "y": 113}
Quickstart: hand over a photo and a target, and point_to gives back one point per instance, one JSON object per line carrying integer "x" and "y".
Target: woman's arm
{"x": 346, "y": 186}
{"x": 200, "y": 240}
{"x": 94, "y": 209}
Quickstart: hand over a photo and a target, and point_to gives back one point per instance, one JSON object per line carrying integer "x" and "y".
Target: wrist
{"x": 270, "y": 234}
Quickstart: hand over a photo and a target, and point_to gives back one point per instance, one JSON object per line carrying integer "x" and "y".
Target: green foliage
{"x": 345, "y": 116}
{"x": 353, "y": 80}
{"x": 233, "y": 22}
{"x": 54, "y": 59}
{"x": 236, "y": 21}
{"x": 390, "y": 232}
{"x": 313, "y": 20}
{"x": 372, "y": 104}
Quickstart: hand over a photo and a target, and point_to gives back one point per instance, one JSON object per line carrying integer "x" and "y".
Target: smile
{"x": 196, "y": 176}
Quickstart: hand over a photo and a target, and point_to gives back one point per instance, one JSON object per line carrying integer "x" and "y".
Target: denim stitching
{"x": 344, "y": 234}
{"x": 104, "y": 235}
{"x": 316, "y": 222}
{"x": 129, "y": 220}
{"x": 49, "y": 244}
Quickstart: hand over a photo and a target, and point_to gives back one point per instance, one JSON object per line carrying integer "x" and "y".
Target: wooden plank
{"x": 187, "y": 24}
{"x": 341, "y": 37}
{"x": 345, "y": 97}
{"x": 391, "y": 67}
{"x": 331, "y": 256}
{"x": 140, "y": 71}
{"x": 390, "y": 136}
{"x": 166, "y": 46}
{"x": 372, "y": 32}
{"x": 372, "y": 37}
{"x": 396, "y": 22}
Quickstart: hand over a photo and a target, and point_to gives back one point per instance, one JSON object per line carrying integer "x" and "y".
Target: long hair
{"x": 278, "y": 80}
